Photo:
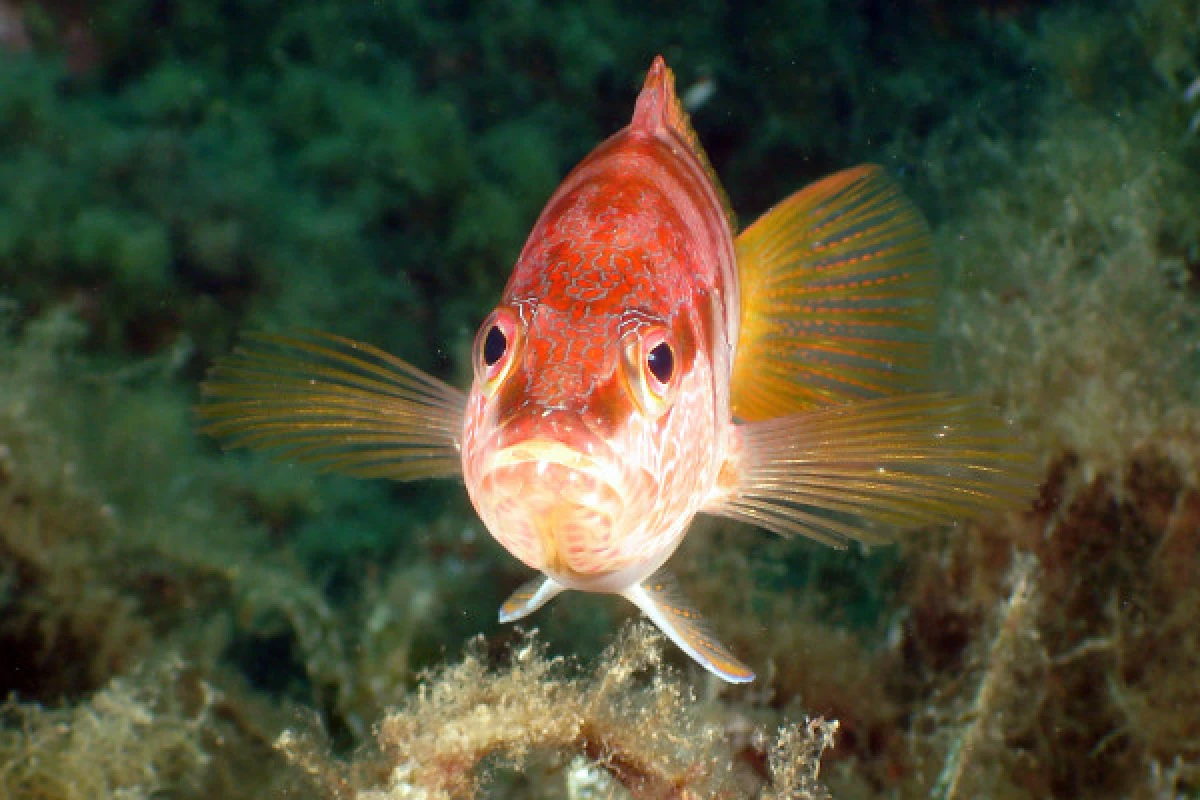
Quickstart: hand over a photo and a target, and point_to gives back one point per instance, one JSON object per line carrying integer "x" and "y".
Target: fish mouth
{"x": 559, "y": 508}
{"x": 554, "y": 476}
{"x": 556, "y": 450}
{"x": 552, "y": 435}
{"x": 544, "y": 453}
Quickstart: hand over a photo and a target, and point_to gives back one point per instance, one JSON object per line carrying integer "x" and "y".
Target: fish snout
{"x": 555, "y": 453}
{"x": 555, "y": 494}
{"x": 549, "y": 425}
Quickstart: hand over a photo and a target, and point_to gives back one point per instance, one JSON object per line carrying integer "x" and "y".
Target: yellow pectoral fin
{"x": 837, "y": 289}
{"x": 337, "y": 404}
{"x": 659, "y": 599}
{"x": 862, "y": 471}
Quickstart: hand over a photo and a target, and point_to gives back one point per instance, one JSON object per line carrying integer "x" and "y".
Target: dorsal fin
{"x": 658, "y": 110}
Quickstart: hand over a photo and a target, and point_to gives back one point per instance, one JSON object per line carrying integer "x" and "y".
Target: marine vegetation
{"x": 177, "y": 621}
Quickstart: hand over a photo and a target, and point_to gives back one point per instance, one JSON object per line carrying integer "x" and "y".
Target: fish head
{"x": 588, "y": 436}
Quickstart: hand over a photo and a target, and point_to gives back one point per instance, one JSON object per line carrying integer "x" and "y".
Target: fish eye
{"x": 494, "y": 346}
{"x": 649, "y": 366}
{"x": 661, "y": 362}
{"x": 494, "y": 349}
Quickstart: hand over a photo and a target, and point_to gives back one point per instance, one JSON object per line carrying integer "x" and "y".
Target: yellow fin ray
{"x": 837, "y": 290}
{"x": 337, "y": 404}
{"x": 862, "y": 471}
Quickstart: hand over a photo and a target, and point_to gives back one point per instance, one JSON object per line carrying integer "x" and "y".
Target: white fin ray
{"x": 659, "y": 599}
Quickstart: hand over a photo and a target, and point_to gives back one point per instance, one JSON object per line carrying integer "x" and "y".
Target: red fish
{"x": 646, "y": 364}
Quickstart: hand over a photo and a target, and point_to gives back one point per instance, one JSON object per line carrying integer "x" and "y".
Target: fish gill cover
{"x": 172, "y": 619}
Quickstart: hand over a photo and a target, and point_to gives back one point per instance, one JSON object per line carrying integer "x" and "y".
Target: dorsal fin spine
{"x": 659, "y": 110}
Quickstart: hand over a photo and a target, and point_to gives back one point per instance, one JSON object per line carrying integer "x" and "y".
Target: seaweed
{"x": 131, "y": 739}
{"x": 466, "y": 722}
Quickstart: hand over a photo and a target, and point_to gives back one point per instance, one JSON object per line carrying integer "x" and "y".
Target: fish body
{"x": 581, "y": 461}
{"x": 647, "y": 363}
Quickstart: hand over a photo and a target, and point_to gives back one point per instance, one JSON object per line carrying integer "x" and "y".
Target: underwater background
{"x": 179, "y": 622}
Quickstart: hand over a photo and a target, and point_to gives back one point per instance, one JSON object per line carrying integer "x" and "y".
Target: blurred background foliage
{"x": 191, "y": 168}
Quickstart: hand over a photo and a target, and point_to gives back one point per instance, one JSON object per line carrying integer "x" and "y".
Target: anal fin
{"x": 531, "y": 596}
{"x": 659, "y": 599}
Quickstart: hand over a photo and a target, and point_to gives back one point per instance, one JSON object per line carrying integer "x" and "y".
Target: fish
{"x": 648, "y": 363}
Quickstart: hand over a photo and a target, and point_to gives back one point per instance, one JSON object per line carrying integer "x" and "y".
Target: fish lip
{"x": 543, "y": 451}
{"x": 554, "y": 436}
{"x": 556, "y": 439}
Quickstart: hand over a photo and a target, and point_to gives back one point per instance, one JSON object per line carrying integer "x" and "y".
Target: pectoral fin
{"x": 344, "y": 406}
{"x": 659, "y": 599}
{"x": 838, "y": 290}
{"x": 529, "y": 598}
{"x": 863, "y": 471}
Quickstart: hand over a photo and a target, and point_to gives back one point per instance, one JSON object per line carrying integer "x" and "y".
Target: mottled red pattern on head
{"x": 608, "y": 252}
